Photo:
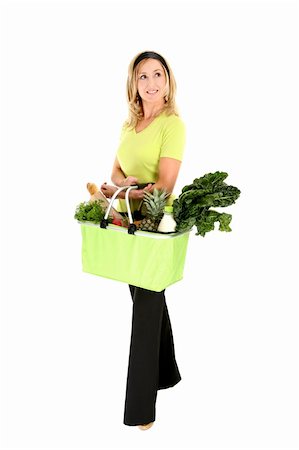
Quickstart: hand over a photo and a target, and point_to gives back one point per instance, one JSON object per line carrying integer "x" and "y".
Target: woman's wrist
{"x": 132, "y": 194}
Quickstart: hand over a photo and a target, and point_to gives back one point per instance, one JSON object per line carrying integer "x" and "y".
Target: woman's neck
{"x": 151, "y": 113}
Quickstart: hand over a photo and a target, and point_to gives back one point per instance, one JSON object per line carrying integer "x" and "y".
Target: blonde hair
{"x": 135, "y": 102}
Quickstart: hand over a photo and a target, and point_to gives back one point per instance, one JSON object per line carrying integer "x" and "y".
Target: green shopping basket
{"x": 145, "y": 259}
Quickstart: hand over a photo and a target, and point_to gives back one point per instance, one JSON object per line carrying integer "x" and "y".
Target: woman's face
{"x": 151, "y": 81}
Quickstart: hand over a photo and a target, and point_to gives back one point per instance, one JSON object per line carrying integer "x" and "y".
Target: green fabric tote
{"x": 145, "y": 259}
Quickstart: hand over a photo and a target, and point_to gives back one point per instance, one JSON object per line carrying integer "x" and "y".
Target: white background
{"x": 65, "y": 334}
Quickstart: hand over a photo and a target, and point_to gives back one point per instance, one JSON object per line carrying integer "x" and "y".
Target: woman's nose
{"x": 151, "y": 87}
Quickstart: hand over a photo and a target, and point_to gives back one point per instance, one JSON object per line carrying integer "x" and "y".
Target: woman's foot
{"x": 146, "y": 426}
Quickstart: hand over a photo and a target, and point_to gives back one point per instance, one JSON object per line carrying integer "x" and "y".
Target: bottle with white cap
{"x": 167, "y": 223}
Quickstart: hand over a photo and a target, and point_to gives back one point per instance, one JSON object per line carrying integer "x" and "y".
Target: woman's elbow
{"x": 168, "y": 187}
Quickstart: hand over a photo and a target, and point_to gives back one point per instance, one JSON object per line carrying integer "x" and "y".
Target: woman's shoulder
{"x": 172, "y": 119}
{"x": 173, "y": 123}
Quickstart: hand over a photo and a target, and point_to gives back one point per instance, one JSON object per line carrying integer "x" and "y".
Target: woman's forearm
{"x": 123, "y": 193}
{"x": 109, "y": 191}
{"x": 134, "y": 194}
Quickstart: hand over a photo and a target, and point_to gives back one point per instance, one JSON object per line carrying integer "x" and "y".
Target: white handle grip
{"x": 122, "y": 188}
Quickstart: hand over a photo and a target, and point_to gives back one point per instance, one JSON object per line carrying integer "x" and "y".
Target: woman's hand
{"x": 138, "y": 194}
{"x": 108, "y": 190}
{"x": 129, "y": 181}
{"x": 135, "y": 194}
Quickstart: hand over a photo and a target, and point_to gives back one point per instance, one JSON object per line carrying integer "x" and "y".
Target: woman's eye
{"x": 158, "y": 73}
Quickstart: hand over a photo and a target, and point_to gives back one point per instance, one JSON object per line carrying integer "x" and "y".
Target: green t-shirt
{"x": 139, "y": 153}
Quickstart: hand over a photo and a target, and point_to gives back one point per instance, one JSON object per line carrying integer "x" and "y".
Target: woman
{"x": 150, "y": 152}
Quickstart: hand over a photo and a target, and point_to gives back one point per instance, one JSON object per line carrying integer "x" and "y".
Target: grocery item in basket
{"x": 97, "y": 194}
{"x": 154, "y": 203}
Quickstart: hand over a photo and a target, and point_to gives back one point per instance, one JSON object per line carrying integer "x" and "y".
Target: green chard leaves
{"x": 192, "y": 207}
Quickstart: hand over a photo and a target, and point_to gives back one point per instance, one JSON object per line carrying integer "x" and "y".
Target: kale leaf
{"x": 192, "y": 206}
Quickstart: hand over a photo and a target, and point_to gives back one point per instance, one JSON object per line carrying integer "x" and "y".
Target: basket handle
{"x": 104, "y": 222}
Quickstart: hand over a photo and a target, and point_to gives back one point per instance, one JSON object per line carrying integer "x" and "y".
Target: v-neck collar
{"x": 153, "y": 121}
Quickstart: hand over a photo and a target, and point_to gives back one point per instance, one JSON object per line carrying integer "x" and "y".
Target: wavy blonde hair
{"x": 134, "y": 100}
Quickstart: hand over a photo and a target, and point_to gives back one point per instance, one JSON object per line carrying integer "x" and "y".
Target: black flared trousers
{"x": 152, "y": 363}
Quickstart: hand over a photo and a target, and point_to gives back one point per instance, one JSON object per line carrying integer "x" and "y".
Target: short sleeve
{"x": 174, "y": 138}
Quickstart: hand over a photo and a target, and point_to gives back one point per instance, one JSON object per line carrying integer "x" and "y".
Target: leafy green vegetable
{"x": 90, "y": 211}
{"x": 192, "y": 206}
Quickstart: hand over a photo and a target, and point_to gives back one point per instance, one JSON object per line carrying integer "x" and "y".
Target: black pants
{"x": 152, "y": 363}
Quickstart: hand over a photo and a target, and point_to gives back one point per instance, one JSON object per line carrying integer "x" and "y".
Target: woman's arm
{"x": 168, "y": 173}
{"x": 167, "y": 176}
{"x": 117, "y": 176}
{"x": 134, "y": 194}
